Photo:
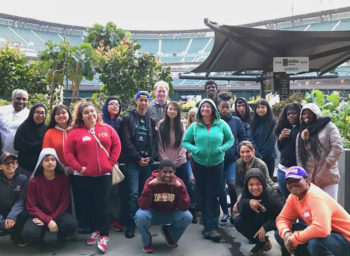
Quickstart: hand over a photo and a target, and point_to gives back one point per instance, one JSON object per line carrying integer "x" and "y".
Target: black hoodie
{"x": 271, "y": 199}
{"x": 246, "y": 119}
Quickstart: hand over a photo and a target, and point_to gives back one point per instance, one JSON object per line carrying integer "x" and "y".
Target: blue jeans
{"x": 281, "y": 184}
{"x": 229, "y": 177}
{"x": 178, "y": 220}
{"x": 208, "y": 181}
{"x": 135, "y": 178}
{"x": 332, "y": 245}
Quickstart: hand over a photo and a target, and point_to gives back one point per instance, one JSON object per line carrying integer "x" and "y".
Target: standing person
{"x": 48, "y": 198}
{"x": 242, "y": 111}
{"x": 231, "y": 155}
{"x": 57, "y": 133}
{"x": 139, "y": 140}
{"x": 211, "y": 90}
{"x": 262, "y": 136}
{"x": 111, "y": 110}
{"x": 164, "y": 200}
{"x": 29, "y": 138}
{"x": 286, "y": 131}
{"x": 86, "y": 153}
{"x": 319, "y": 154}
{"x": 11, "y": 117}
{"x": 170, "y": 133}
{"x": 13, "y": 187}
{"x": 258, "y": 208}
{"x": 208, "y": 139}
{"x": 191, "y": 184}
{"x": 156, "y": 109}
{"x": 328, "y": 224}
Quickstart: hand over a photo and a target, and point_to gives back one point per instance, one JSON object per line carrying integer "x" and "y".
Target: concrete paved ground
{"x": 191, "y": 244}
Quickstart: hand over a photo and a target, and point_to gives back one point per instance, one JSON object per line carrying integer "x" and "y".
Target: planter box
{"x": 344, "y": 183}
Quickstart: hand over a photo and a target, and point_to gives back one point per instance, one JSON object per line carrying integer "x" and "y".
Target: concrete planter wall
{"x": 344, "y": 184}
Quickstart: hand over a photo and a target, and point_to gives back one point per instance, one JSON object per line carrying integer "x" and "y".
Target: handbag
{"x": 117, "y": 175}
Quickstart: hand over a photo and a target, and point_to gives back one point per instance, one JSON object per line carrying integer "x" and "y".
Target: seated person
{"x": 328, "y": 224}
{"x": 164, "y": 200}
{"x": 258, "y": 209}
{"x": 48, "y": 198}
{"x": 13, "y": 187}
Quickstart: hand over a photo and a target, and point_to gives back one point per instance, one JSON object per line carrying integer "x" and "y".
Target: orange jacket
{"x": 322, "y": 214}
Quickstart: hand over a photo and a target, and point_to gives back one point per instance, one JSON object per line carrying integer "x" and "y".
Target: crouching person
{"x": 258, "y": 208}
{"x": 13, "y": 187}
{"x": 164, "y": 200}
{"x": 48, "y": 198}
{"x": 328, "y": 224}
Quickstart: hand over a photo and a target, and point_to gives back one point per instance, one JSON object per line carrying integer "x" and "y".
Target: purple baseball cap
{"x": 295, "y": 172}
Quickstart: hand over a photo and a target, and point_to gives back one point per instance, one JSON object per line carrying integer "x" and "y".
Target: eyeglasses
{"x": 113, "y": 104}
{"x": 39, "y": 113}
{"x": 12, "y": 162}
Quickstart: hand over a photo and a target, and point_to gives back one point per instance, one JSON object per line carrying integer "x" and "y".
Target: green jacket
{"x": 208, "y": 147}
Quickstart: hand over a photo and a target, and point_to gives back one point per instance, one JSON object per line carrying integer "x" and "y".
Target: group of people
{"x": 173, "y": 169}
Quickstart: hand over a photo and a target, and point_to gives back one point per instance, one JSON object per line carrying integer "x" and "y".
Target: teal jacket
{"x": 208, "y": 147}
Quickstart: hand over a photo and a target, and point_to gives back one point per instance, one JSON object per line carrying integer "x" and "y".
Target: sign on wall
{"x": 291, "y": 64}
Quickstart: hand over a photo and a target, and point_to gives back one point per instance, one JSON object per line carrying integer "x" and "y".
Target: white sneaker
{"x": 102, "y": 243}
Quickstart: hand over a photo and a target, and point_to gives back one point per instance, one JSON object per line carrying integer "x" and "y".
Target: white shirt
{"x": 10, "y": 120}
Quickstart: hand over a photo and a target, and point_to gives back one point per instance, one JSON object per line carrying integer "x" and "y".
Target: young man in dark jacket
{"x": 139, "y": 144}
{"x": 13, "y": 186}
{"x": 164, "y": 200}
{"x": 242, "y": 111}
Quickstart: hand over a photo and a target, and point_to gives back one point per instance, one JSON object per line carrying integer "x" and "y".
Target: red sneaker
{"x": 116, "y": 226}
{"x": 102, "y": 243}
{"x": 148, "y": 249}
{"x": 167, "y": 237}
{"x": 93, "y": 238}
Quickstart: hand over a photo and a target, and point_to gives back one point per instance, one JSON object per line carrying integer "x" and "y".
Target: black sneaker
{"x": 84, "y": 230}
{"x": 225, "y": 218}
{"x": 130, "y": 232}
{"x": 213, "y": 235}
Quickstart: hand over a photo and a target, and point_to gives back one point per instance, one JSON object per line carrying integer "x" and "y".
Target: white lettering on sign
{"x": 291, "y": 64}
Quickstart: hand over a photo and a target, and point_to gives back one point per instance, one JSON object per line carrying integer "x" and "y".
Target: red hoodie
{"x": 82, "y": 149}
{"x": 163, "y": 198}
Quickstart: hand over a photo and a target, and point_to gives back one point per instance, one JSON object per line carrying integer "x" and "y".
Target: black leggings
{"x": 34, "y": 234}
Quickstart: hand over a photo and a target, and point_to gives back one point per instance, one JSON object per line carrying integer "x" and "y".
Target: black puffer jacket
{"x": 271, "y": 199}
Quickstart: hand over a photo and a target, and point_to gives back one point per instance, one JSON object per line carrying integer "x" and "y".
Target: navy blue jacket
{"x": 263, "y": 139}
{"x": 238, "y": 133}
{"x": 12, "y": 196}
{"x": 245, "y": 119}
{"x": 287, "y": 148}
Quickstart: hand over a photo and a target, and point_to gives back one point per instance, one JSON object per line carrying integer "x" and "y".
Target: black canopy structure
{"x": 238, "y": 49}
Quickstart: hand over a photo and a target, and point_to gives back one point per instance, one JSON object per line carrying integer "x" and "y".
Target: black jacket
{"x": 271, "y": 199}
{"x": 128, "y": 137}
{"x": 28, "y": 142}
{"x": 12, "y": 196}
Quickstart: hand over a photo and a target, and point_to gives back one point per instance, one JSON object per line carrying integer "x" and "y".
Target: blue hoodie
{"x": 116, "y": 122}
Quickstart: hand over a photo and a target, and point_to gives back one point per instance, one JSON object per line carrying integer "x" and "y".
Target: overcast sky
{"x": 163, "y": 14}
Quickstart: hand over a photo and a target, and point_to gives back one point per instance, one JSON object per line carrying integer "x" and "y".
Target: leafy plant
{"x": 334, "y": 107}
{"x": 16, "y": 72}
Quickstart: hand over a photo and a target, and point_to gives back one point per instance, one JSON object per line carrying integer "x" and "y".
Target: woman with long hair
{"x": 48, "y": 198}
{"x": 170, "y": 133}
{"x": 262, "y": 136}
{"x": 319, "y": 153}
{"x": 208, "y": 138}
{"x": 57, "y": 133}
{"x": 92, "y": 150}
{"x": 29, "y": 138}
